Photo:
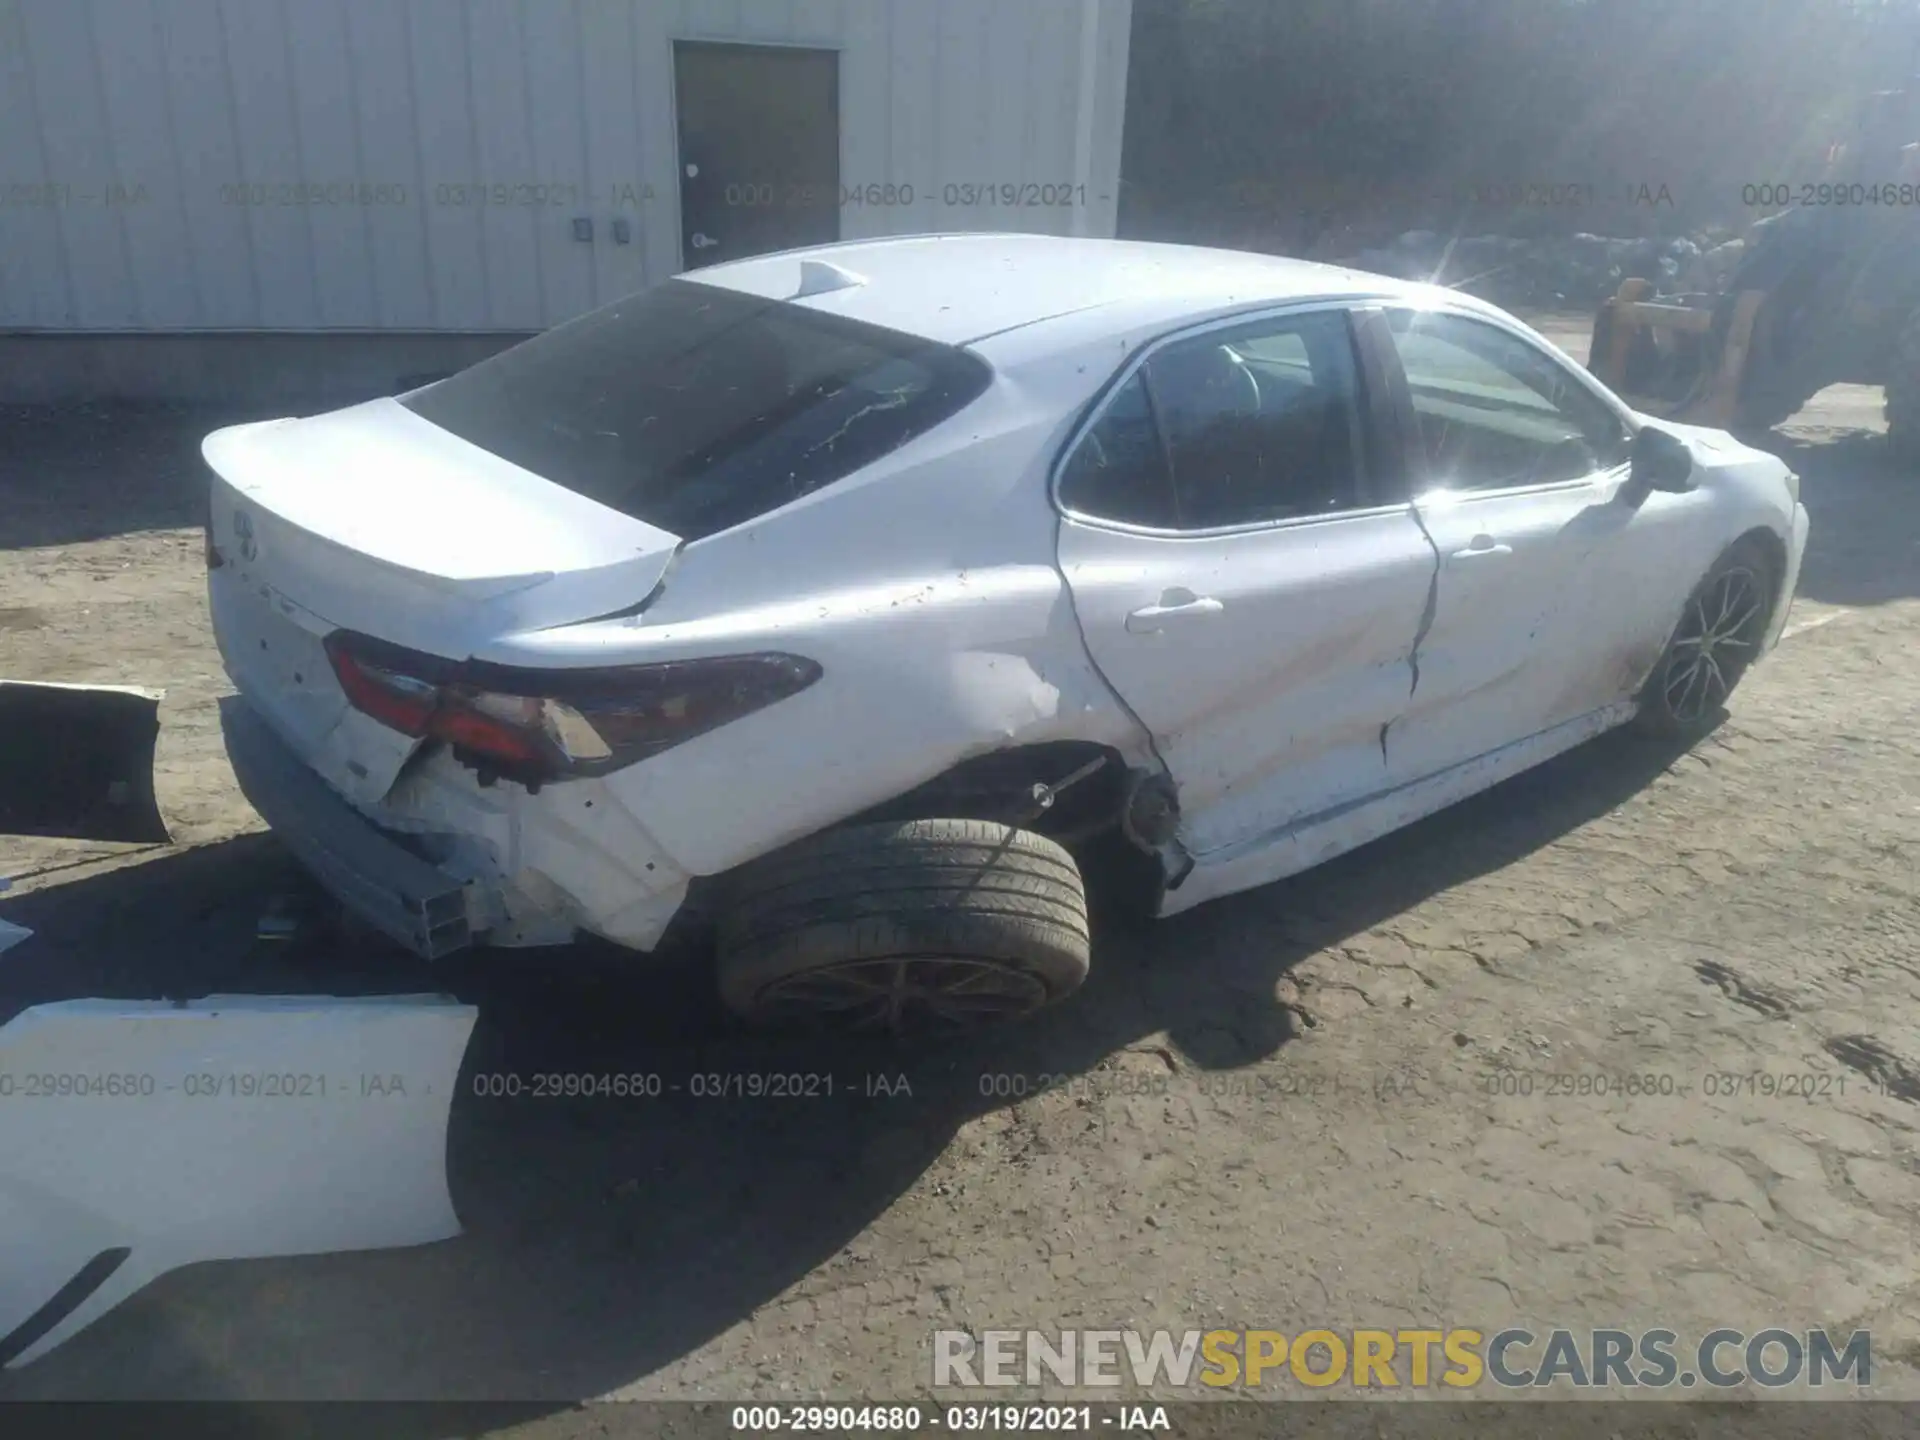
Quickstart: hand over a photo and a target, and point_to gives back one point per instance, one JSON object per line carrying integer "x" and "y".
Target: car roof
{"x": 962, "y": 288}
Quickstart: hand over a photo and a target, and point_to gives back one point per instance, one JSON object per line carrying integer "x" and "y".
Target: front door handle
{"x": 1175, "y": 606}
{"x": 1481, "y": 545}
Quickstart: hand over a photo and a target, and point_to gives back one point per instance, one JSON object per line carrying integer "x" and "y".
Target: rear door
{"x": 1518, "y": 467}
{"x": 1243, "y": 574}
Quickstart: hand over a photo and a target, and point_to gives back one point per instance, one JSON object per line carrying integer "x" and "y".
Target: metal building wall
{"x": 153, "y": 152}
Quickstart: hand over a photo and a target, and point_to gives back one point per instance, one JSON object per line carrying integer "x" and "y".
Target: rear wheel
{"x": 907, "y": 926}
{"x": 1903, "y": 394}
{"x": 1718, "y": 637}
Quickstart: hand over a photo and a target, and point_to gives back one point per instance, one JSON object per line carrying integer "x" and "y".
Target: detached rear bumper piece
{"x": 388, "y": 886}
{"x": 137, "y": 1136}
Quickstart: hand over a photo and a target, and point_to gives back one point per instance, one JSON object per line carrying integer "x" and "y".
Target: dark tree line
{"x": 1285, "y": 121}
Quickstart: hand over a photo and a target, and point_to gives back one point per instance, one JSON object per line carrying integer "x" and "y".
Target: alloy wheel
{"x": 902, "y": 993}
{"x": 1717, "y": 639}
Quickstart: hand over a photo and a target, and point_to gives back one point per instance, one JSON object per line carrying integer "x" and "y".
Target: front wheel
{"x": 1719, "y": 635}
{"x": 912, "y": 926}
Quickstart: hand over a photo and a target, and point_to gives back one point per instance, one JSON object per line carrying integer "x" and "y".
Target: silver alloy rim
{"x": 903, "y": 993}
{"x": 1714, "y": 644}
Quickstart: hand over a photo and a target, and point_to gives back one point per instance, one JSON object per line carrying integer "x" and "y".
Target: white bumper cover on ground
{"x": 140, "y": 1136}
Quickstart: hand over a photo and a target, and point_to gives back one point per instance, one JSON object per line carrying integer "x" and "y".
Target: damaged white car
{"x": 854, "y": 597}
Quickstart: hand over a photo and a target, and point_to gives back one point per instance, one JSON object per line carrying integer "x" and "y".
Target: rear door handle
{"x": 1175, "y": 607}
{"x": 1481, "y": 545}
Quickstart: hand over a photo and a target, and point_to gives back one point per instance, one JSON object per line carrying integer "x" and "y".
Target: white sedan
{"x": 848, "y": 600}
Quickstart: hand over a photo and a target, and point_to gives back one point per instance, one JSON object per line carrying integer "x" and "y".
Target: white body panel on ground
{"x": 235, "y": 1127}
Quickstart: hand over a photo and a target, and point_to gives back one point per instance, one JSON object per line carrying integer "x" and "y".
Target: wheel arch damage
{"x": 1064, "y": 789}
{"x": 1079, "y": 793}
{"x": 1775, "y": 549}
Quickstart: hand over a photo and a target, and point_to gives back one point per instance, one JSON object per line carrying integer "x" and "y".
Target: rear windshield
{"x": 696, "y": 408}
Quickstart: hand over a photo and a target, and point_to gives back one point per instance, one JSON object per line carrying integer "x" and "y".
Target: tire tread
{"x": 906, "y": 888}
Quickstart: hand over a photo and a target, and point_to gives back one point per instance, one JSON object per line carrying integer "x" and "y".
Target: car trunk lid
{"x": 374, "y": 519}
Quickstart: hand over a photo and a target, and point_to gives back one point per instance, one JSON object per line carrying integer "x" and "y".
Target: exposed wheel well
{"x": 1775, "y": 549}
{"x": 996, "y": 786}
{"x": 999, "y": 785}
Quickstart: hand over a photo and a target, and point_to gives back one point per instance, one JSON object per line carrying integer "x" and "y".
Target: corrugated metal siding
{"x": 130, "y": 129}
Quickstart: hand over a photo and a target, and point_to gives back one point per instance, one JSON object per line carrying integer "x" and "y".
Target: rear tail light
{"x": 533, "y": 726}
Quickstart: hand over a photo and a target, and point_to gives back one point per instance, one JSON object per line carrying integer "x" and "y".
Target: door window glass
{"x": 1118, "y": 471}
{"x": 1262, "y": 423}
{"x": 1230, "y": 428}
{"x": 1494, "y": 411}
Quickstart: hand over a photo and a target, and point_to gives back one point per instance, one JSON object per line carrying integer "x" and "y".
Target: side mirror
{"x": 1660, "y": 461}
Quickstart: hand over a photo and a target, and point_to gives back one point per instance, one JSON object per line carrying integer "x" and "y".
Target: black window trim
{"x": 1370, "y": 417}
{"x": 1380, "y": 340}
{"x": 1389, "y": 402}
{"x": 1159, "y": 424}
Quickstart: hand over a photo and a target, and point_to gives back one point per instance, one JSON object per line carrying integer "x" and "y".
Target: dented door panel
{"x": 1550, "y": 604}
{"x": 1667, "y": 544}
{"x": 1272, "y": 705}
{"x": 1509, "y": 624}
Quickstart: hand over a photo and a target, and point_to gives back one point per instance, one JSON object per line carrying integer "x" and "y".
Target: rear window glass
{"x": 696, "y": 408}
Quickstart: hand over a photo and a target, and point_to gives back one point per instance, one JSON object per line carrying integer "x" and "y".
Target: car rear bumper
{"x": 385, "y": 884}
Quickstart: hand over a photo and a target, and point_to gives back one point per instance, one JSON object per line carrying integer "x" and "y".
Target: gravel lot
{"x": 1281, "y": 1114}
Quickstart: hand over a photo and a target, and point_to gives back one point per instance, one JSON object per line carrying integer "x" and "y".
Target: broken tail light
{"x": 533, "y": 726}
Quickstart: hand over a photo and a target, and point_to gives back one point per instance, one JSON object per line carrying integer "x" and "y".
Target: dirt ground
{"x": 1282, "y": 1111}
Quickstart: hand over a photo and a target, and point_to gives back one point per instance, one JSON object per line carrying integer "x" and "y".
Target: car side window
{"x": 1234, "y": 427}
{"x": 1118, "y": 471}
{"x": 1262, "y": 422}
{"x": 1494, "y": 411}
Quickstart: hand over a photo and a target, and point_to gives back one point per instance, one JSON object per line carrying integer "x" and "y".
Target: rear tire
{"x": 1903, "y": 394}
{"x": 905, "y": 926}
{"x": 1715, "y": 642}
